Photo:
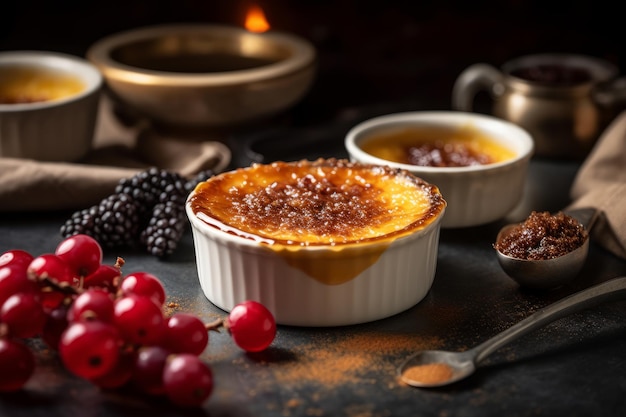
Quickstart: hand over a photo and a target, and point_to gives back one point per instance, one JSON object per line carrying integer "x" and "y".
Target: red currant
{"x": 23, "y": 314}
{"x": 106, "y": 277}
{"x": 17, "y": 363}
{"x": 186, "y": 333}
{"x": 50, "y": 266}
{"x": 139, "y": 319}
{"x": 252, "y": 326}
{"x": 90, "y": 349}
{"x": 110, "y": 329}
{"x": 148, "y": 369}
{"x": 13, "y": 279}
{"x": 144, "y": 284}
{"x": 81, "y": 252}
{"x": 92, "y": 304}
{"x": 187, "y": 380}
{"x": 51, "y": 300}
{"x": 16, "y": 257}
{"x": 55, "y": 325}
{"x": 120, "y": 374}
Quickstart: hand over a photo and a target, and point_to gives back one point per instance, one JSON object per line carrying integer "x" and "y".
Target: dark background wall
{"x": 369, "y": 51}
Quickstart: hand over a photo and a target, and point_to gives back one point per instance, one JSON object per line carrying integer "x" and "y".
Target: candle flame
{"x": 255, "y": 20}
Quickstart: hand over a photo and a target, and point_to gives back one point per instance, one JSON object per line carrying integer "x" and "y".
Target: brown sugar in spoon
{"x": 548, "y": 273}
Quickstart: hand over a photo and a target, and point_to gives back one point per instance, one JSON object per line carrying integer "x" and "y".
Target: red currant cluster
{"x": 108, "y": 328}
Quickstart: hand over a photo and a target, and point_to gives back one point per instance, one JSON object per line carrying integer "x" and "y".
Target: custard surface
{"x": 327, "y": 201}
{"x": 22, "y": 84}
{"x": 436, "y": 146}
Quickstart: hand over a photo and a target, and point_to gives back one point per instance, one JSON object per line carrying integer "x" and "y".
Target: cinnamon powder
{"x": 350, "y": 359}
{"x": 429, "y": 373}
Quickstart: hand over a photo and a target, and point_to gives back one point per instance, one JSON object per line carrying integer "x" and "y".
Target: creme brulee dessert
{"x": 320, "y": 243}
{"x": 325, "y": 202}
{"x": 436, "y": 147}
{"x": 20, "y": 84}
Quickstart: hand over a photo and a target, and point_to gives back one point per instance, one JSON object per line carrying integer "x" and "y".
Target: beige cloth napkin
{"x": 601, "y": 184}
{"x": 119, "y": 152}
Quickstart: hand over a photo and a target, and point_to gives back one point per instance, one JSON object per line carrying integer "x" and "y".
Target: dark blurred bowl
{"x": 201, "y": 75}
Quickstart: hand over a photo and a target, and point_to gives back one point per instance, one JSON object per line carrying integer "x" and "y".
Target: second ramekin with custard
{"x": 479, "y": 162}
{"x": 48, "y": 105}
{"x": 320, "y": 243}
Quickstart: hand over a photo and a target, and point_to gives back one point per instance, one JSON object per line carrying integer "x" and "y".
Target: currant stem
{"x": 4, "y": 330}
{"x": 216, "y": 325}
{"x": 119, "y": 263}
{"x": 70, "y": 289}
{"x": 64, "y": 287}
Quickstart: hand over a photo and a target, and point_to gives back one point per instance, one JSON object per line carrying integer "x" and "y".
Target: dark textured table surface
{"x": 375, "y": 52}
{"x": 575, "y": 366}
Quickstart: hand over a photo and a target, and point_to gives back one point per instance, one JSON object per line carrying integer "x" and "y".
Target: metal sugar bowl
{"x": 565, "y": 101}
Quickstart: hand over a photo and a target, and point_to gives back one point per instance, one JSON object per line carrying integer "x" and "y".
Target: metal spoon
{"x": 549, "y": 273}
{"x": 462, "y": 364}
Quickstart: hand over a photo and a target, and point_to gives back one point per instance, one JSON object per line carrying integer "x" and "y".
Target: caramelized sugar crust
{"x": 328, "y": 201}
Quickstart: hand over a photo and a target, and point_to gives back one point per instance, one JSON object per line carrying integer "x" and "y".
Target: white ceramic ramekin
{"x": 53, "y": 130}
{"x": 377, "y": 278}
{"x": 476, "y": 194}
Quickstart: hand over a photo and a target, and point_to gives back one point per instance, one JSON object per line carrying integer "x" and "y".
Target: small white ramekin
{"x": 54, "y": 130}
{"x": 394, "y": 275}
{"x": 476, "y": 194}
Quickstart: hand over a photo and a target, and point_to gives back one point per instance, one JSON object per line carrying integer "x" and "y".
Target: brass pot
{"x": 201, "y": 75}
{"x": 564, "y": 101}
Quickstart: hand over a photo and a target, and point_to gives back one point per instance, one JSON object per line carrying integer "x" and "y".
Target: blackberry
{"x": 200, "y": 176}
{"x": 167, "y": 221}
{"x": 153, "y": 186}
{"x": 113, "y": 222}
{"x": 165, "y": 228}
{"x": 147, "y": 209}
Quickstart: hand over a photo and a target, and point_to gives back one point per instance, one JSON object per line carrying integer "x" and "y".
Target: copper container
{"x": 564, "y": 101}
{"x": 201, "y": 75}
